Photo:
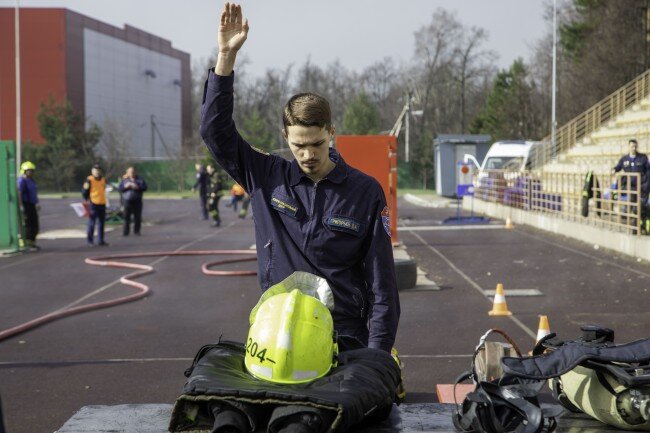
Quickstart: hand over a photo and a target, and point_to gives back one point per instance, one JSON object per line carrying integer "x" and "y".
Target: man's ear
{"x": 332, "y": 129}
{"x": 284, "y": 135}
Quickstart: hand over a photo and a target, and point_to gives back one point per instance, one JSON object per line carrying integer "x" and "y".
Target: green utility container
{"x": 9, "y": 207}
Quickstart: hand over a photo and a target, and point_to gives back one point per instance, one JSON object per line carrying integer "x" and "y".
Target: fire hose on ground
{"x": 128, "y": 280}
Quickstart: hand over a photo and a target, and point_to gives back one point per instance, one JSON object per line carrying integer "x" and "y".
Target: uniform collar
{"x": 337, "y": 175}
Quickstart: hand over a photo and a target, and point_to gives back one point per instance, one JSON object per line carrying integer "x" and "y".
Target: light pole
{"x": 17, "y": 61}
{"x": 553, "y": 85}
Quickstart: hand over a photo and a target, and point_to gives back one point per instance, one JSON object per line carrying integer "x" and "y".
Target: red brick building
{"x": 112, "y": 76}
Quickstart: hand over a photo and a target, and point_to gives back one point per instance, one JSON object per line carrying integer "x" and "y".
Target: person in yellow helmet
{"x": 28, "y": 198}
{"x": 94, "y": 192}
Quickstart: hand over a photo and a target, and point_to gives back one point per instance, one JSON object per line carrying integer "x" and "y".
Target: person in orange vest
{"x": 94, "y": 192}
{"x": 237, "y": 194}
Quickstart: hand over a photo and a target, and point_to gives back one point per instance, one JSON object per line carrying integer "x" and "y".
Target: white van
{"x": 512, "y": 155}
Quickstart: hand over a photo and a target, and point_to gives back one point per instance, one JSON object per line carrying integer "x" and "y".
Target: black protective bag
{"x": 502, "y": 405}
{"x": 361, "y": 389}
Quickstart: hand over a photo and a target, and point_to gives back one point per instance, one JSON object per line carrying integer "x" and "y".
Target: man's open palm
{"x": 233, "y": 30}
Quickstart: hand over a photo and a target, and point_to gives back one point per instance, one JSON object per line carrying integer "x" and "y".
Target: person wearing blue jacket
{"x": 314, "y": 214}
{"x": 132, "y": 187}
{"x": 28, "y": 198}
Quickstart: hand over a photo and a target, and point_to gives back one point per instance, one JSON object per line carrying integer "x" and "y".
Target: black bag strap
{"x": 531, "y": 412}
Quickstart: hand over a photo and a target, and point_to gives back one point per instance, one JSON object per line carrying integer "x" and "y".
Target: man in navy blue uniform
{"x": 202, "y": 181}
{"x": 315, "y": 214}
{"x": 132, "y": 187}
{"x": 634, "y": 162}
{"x": 28, "y": 199}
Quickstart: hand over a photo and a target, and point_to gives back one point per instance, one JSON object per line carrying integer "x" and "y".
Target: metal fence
{"x": 611, "y": 201}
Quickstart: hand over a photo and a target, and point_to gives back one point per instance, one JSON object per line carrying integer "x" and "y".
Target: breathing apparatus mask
{"x": 500, "y": 403}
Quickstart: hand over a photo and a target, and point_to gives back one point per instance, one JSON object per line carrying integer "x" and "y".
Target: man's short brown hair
{"x": 307, "y": 109}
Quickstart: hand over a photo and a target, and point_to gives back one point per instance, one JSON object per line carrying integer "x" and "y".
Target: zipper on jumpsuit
{"x": 311, "y": 214}
{"x": 362, "y": 300}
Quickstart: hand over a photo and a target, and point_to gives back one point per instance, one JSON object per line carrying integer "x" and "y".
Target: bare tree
{"x": 435, "y": 50}
{"x": 473, "y": 62}
{"x": 113, "y": 147}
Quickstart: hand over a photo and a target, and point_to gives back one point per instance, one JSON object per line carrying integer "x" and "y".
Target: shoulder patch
{"x": 385, "y": 219}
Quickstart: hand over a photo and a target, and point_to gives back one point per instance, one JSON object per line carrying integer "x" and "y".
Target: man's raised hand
{"x": 233, "y": 29}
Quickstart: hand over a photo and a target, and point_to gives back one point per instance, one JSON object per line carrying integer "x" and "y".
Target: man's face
{"x": 29, "y": 173}
{"x": 310, "y": 147}
{"x": 633, "y": 147}
{"x": 130, "y": 172}
{"x": 209, "y": 169}
{"x": 96, "y": 172}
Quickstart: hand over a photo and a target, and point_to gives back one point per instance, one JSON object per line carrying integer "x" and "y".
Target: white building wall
{"x": 121, "y": 96}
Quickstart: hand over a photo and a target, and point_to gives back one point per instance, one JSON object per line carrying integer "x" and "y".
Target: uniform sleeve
{"x": 22, "y": 187}
{"x": 645, "y": 176}
{"x": 618, "y": 167}
{"x": 249, "y": 167}
{"x": 379, "y": 270}
{"x": 142, "y": 184}
{"x": 85, "y": 190}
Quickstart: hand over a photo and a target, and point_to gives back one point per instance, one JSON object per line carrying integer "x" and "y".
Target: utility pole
{"x": 153, "y": 138}
{"x": 553, "y": 85}
{"x": 18, "y": 109}
{"x": 647, "y": 34}
{"x": 408, "y": 126}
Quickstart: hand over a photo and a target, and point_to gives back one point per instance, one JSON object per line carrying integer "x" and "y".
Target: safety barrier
{"x": 614, "y": 200}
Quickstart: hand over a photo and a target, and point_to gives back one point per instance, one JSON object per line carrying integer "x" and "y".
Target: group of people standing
{"x": 210, "y": 186}
{"x": 93, "y": 191}
{"x": 209, "y": 183}
{"x": 131, "y": 189}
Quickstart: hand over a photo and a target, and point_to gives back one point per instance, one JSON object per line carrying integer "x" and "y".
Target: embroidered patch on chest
{"x": 342, "y": 224}
{"x": 284, "y": 206}
{"x": 385, "y": 219}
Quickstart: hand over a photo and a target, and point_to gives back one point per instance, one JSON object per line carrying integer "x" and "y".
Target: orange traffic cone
{"x": 500, "y": 308}
{"x": 509, "y": 224}
{"x": 544, "y": 329}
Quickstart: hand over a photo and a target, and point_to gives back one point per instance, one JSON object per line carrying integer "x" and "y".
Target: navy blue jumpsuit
{"x": 635, "y": 164}
{"x": 337, "y": 228}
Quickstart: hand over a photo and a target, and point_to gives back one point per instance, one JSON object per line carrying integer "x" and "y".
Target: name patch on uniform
{"x": 344, "y": 224}
{"x": 385, "y": 219}
{"x": 284, "y": 206}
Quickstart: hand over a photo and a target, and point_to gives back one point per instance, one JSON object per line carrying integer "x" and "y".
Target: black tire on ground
{"x": 406, "y": 273}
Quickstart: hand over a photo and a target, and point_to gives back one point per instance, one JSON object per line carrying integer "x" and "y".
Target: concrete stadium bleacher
{"x": 601, "y": 150}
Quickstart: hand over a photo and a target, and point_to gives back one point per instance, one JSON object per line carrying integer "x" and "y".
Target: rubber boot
{"x": 229, "y": 420}
{"x": 301, "y": 423}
